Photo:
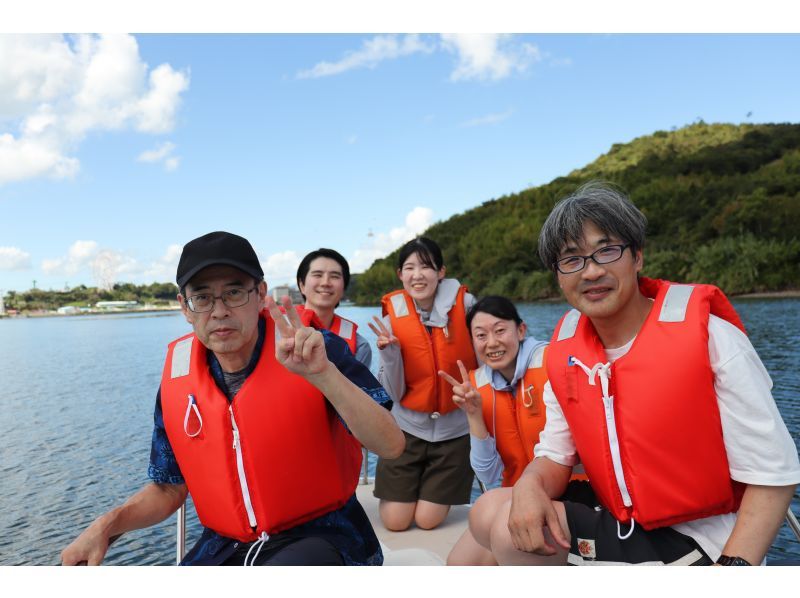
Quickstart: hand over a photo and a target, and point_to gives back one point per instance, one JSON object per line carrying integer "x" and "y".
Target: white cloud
{"x": 279, "y": 268}
{"x": 488, "y": 56}
{"x": 373, "y": 51}
{"x": 54, "y": 90}
{"x": 13, "y": 258}
{"x": 109, "y": 267}
{"x": 351, "y": 139}
{"x": 106, "y": 265}
{"x": 161, "y": 153}
{"x": 382, "y": 244}
{"x": 489, "y": 119}
{"x": 165, "y": 267}
{"x": 78, "y": 257}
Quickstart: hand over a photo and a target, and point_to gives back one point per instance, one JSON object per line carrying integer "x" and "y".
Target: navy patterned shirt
{"x": 348, "y": 529}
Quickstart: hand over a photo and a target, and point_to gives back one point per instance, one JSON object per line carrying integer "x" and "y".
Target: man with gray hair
{"x": 656, "y": 389}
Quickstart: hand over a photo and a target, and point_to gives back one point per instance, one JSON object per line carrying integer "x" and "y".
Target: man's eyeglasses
{"x": 604, "y": 255}
{"x": 205, "y": 301}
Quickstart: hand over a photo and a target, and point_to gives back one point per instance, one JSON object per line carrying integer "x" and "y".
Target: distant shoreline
{"x": 153, "y": 310}
{"x": 789, "y": 294}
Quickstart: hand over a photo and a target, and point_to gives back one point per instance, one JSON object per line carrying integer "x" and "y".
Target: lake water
{"x": 76, "y": 409}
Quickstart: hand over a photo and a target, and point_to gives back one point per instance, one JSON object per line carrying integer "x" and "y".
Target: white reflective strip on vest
{"x": 537, "y": 358}
{"x": 569, "y": 325}
{"x": 399, "y": 305}
{"x": 181, "y": 358}
{"x": 345, "y": 329}
{"x": 481, "y": 378}
{"x": 675, "y": 303}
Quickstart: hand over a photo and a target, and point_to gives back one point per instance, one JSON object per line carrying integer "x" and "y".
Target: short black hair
{"x": 495, "y": 305}
{"x": 305, "y": 265}
{"x": 427, "y": 250}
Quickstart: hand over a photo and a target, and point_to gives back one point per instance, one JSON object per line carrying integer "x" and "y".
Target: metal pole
{"x": 792, "y": 522}
{"x": 181, "y": 533}
{"x": 364, "y": 474}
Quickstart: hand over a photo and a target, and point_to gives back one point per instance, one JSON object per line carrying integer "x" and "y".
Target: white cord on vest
{"x": 630, "y": 531}
{"x": 604, "y": 369}
{"x": 262, "y": 539}
{"x": 192, "y": 404}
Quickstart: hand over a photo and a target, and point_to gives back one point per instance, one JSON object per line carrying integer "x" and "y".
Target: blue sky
{"x": 116, "y": 151}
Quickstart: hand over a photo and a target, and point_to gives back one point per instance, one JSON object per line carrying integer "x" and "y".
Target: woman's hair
{"x": 497, "y": 306}
{"x": 305, "y": 265}
{"x": 428, "y": 251}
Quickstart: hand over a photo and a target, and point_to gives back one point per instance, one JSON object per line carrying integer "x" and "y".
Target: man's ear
{"x": 184, "y": 308}
{"x": 262, "y": 294}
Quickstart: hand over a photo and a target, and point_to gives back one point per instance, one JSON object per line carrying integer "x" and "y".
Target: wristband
{"x": 732, "y": 561}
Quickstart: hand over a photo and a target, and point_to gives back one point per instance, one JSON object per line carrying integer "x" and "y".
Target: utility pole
{"x": 34, "y": 284}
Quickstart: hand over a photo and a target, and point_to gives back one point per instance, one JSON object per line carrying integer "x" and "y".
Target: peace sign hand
{"x": 464, "y": 394}
{"x": 301, "y": 349}
{"x": 385, "y": 336}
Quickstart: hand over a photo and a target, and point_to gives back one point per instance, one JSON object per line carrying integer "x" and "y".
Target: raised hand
{"x": 301, "y": 349}
{"x": 385, "y": 337}
{"x": 464, "y": 394}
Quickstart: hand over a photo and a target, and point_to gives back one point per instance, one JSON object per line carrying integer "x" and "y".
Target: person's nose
{"x": 592, "y": 270}
{"x": 220, "y": 310}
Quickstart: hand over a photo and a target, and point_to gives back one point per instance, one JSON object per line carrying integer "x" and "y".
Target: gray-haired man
{"x": 656, "y": 389}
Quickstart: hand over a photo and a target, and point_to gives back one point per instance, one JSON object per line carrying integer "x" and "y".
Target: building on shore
{"x": 283, "y": 290}
{"x": 116, "y": 304}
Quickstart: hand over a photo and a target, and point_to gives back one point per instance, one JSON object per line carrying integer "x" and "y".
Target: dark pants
{"x": 290, "y": 552}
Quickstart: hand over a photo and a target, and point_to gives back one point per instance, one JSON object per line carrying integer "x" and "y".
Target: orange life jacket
{"x": 514, "y": 422}
{"x": 340, "y": 326}
{"x": 273, "y": 458}
{"x": 652, "y": 442}
{"x": 426, "y": 350}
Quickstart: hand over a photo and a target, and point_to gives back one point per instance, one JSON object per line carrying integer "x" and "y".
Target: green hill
{"x": 722, "y": 203}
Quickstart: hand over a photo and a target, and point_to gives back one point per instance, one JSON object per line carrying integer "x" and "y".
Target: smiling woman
{"x": 422, "y": 332}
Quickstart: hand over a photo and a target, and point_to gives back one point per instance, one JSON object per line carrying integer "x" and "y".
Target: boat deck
{"x": 414, "y": 546}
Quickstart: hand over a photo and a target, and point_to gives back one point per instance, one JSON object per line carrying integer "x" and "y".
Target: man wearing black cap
{"x": 261, "y": 419}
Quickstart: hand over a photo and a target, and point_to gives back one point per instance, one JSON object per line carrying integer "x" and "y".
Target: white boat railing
{"x": 180, "y": 536}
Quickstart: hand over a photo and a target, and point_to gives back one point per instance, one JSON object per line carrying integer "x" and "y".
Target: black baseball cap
{"x": 217, "y": 248}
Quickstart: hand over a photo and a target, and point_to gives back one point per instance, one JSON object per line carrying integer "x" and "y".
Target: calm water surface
{"x": 76, "y": 416}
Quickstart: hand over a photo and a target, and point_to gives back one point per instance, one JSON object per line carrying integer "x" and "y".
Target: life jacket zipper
{"x": 237, "y": 446}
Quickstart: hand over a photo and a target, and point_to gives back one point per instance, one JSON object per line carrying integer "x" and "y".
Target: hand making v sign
{"x": 301, "y": 349}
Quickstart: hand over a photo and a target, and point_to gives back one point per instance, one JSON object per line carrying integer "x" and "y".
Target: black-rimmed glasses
{"x": 204, "y": 302}
{"x": 604, "y": 255}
